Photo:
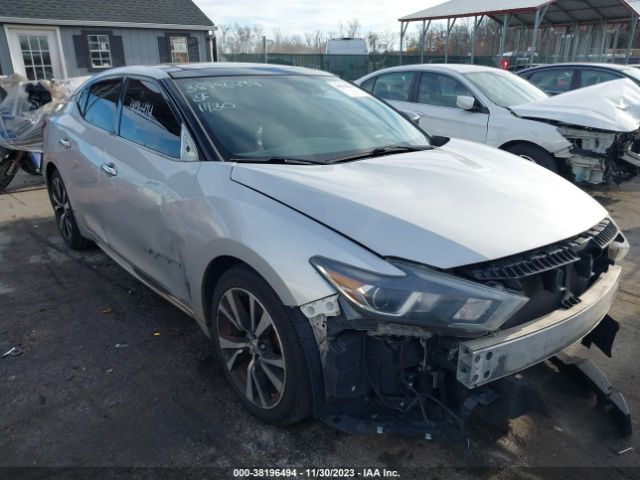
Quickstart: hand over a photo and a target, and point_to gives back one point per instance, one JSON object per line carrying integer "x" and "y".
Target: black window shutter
{"x": 194, "y": 52}
{"x": 81, "y": 46}
{"x": 163, "y": 49}
{"x": 117, "y": 51}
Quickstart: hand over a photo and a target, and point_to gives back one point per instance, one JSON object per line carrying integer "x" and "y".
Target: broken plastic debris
{"x": 557, "y": 428}
{"x": 109, "y": 370}
{"x": 156, "y": 334}
{"x": 13, "y": 351}
{"x": 121, "y": 345}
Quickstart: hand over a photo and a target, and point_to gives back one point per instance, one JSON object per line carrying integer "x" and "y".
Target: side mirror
{"x": 465, "y": 102}
{"x": 188, "y": 150}
{"x": 413, "y": 117}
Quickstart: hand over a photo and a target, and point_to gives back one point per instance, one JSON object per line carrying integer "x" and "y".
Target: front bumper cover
{"x": 485, "y": 359}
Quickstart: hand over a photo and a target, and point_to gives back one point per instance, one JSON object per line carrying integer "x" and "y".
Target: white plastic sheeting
{"x": 22, "y": 115}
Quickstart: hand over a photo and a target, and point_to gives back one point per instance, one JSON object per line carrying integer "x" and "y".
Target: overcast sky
{"x": 299, "y": 16}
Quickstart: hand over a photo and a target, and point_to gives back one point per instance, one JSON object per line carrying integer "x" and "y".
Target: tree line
{"x": 237, "y": 38}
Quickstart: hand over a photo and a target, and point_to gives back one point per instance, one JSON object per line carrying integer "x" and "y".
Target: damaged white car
{"x": 588, "y": 135}
{"x": 344, "y": 263}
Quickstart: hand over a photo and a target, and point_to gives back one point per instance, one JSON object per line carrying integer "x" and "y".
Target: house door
{"x": 35, "y": 52}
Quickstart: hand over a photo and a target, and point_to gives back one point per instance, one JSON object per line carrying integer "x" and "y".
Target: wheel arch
{"x": 512, "y": 143}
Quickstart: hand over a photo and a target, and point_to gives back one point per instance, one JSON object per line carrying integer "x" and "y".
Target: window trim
{"x": 100, "y": 51}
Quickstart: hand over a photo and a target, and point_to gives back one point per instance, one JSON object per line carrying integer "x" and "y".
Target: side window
{"x": 593, "y": 77}
{"x": 553, "y": 81}
{"x": 440, "y": 90}
{"x": 101, "y": 103}
{"x": 148, "y": 120}
{"x": 394, "y": 86}
{"x": 368, "y": 85}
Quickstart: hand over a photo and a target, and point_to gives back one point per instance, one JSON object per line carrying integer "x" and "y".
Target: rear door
{"x": 146, "y": 216}
{"x": 436, "y": 101}
{"x": 79, "y": 138}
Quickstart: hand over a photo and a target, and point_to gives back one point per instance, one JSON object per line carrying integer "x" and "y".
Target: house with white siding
{"x": 44, "y": 39}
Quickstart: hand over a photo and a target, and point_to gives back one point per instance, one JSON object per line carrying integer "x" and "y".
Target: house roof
{"x": 105, "y": 12}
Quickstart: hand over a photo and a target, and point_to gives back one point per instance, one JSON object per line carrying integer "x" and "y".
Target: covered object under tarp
{"x": 602, "y": 20}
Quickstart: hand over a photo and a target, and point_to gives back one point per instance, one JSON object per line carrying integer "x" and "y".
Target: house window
{"x": 100, "y": 51}
{"x": 179, "y": 51}
{"x": 36, "y": 56}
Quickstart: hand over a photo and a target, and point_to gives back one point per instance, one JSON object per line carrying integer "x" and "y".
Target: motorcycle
{"x": 24, "y": 106}
{"x": 11, "y": 161}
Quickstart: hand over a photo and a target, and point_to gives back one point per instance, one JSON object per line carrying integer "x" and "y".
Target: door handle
{"x": 65, "y": 143}
{"x": 109, "y": 169}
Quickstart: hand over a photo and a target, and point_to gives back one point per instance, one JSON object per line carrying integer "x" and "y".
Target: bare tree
{"x": 353, "y": 28}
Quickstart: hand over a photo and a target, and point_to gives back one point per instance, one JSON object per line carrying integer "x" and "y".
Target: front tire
{"x": 65, "y": 218}
{"x": 536, "y": 155}
{"x": 260, "y": 351}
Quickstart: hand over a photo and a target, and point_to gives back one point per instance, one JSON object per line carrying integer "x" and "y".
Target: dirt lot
{"x": 112, "y": 376}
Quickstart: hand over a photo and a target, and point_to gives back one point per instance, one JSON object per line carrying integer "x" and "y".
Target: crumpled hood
{"x": 612, "y": 106}
{"x": 455, "y": 205}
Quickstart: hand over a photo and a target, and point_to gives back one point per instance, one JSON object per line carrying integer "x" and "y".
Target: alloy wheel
{"x": 62, "y": 208}
{"x": 251, "y": 348}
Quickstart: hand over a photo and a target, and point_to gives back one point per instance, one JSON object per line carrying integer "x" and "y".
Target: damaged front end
{"x": 415, "y": 354}
{"x": 599, "y": 156}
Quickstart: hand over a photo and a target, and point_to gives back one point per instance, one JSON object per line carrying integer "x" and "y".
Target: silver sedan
{"x": 342, "y": 261}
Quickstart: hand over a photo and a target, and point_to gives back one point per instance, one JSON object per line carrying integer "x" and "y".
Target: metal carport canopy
{"x": 523, "y": 12}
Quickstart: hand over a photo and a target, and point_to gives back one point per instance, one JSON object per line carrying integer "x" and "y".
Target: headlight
{"x": 422, "y": 296}
{"x": 618, "y": 249}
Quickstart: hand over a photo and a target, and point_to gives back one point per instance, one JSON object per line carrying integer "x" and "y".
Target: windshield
{"x": 316, "y": 118}
{"x": 505, "y": 89}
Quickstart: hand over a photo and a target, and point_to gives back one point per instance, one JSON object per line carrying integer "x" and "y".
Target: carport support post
{"x": 446, "y": 39}
{"x": 423, "y": 37}
{"x": 503, "y": 35}
{"x": 403, "y": 30}
{"x": 632, "y": 33}
{"x": 264, "y": 48}
{"x": 476, "y": 25}
{"x": 422, "y": 43}
{"x": 536, "y": 26}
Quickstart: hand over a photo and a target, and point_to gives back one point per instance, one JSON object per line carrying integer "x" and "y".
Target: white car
{"x": 587, "y": 135}
{"x": 341, "y": 260}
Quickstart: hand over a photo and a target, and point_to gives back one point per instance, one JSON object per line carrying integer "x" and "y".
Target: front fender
{"x": 508, "y": 128}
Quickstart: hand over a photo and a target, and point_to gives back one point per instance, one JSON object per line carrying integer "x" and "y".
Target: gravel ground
{"x": 113, "y": 376}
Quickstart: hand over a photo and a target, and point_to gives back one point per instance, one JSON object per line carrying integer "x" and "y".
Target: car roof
{"x": 436, "y": 67}
{"x": 606, "y": 66}
{"x": 216, "y": 69}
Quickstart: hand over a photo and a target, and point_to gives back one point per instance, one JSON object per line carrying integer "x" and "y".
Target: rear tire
{"x": 65, "y": 218}
{"x": 260, "y": 351}
{"x": 536, "y": 155}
